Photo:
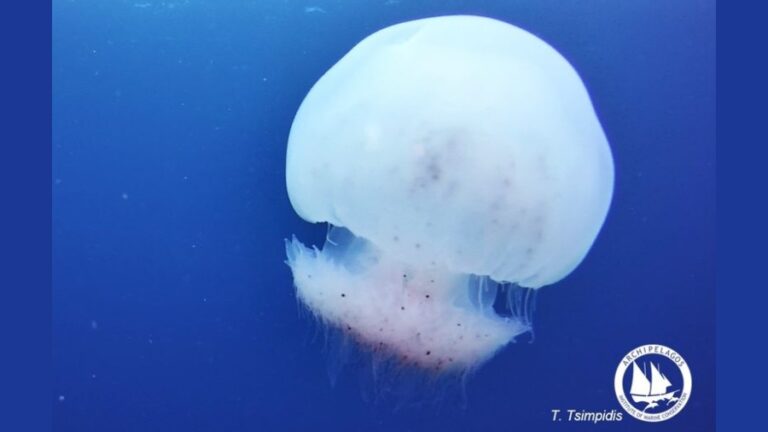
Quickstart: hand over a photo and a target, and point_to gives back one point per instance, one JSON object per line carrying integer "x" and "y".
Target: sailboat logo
{"x": 658, "y": 386}
{"x": 651, "y": 392}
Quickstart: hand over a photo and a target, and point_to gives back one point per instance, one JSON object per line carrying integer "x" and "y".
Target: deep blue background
{"x": 172, "y": 307}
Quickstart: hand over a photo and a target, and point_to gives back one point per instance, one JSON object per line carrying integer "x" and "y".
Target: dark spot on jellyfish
{"x": 431, "y": 281}
{"x": 433, "y": 169}
{"x": 529, "y": 251}
{"x": 349, "y": 328}
{"x": 427, "y": 296}
{"x": 309, "y": 276}
{"x": 450, "y": 359}
{"x": 343, "y": 295}
{"x": 396, "y": 238}
{"x": 418, "y": 245}
{"x": 458, "y": 324}
{"x": 381, "y": 329}
{"x": 418, "y": 333}
{"x": 405, "y": 275}
{"x": 429, "y": 352}
{"x": 402, "y": 307}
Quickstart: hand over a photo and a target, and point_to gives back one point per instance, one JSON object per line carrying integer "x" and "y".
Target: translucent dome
{"x": 458, "y": 140}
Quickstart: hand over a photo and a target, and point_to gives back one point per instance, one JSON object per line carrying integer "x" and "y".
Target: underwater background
{"x": 173, "y": 308}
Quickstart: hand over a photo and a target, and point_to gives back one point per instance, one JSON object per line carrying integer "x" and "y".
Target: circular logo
{"x": 653, "y": 383}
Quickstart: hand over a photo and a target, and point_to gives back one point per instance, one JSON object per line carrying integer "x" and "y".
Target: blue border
{"x": 742, "y": 214}
{"x": 25, "y": 217}
{"x": 25, "y": 221}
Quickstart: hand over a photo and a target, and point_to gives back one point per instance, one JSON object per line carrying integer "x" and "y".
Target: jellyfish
{"x": 454, "y": 159}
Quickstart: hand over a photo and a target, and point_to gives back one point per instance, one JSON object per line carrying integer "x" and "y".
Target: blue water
{"x": 173, "y": 309}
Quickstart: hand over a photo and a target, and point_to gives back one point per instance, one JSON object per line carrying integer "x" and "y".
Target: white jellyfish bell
{"x": 455, "y": 157}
